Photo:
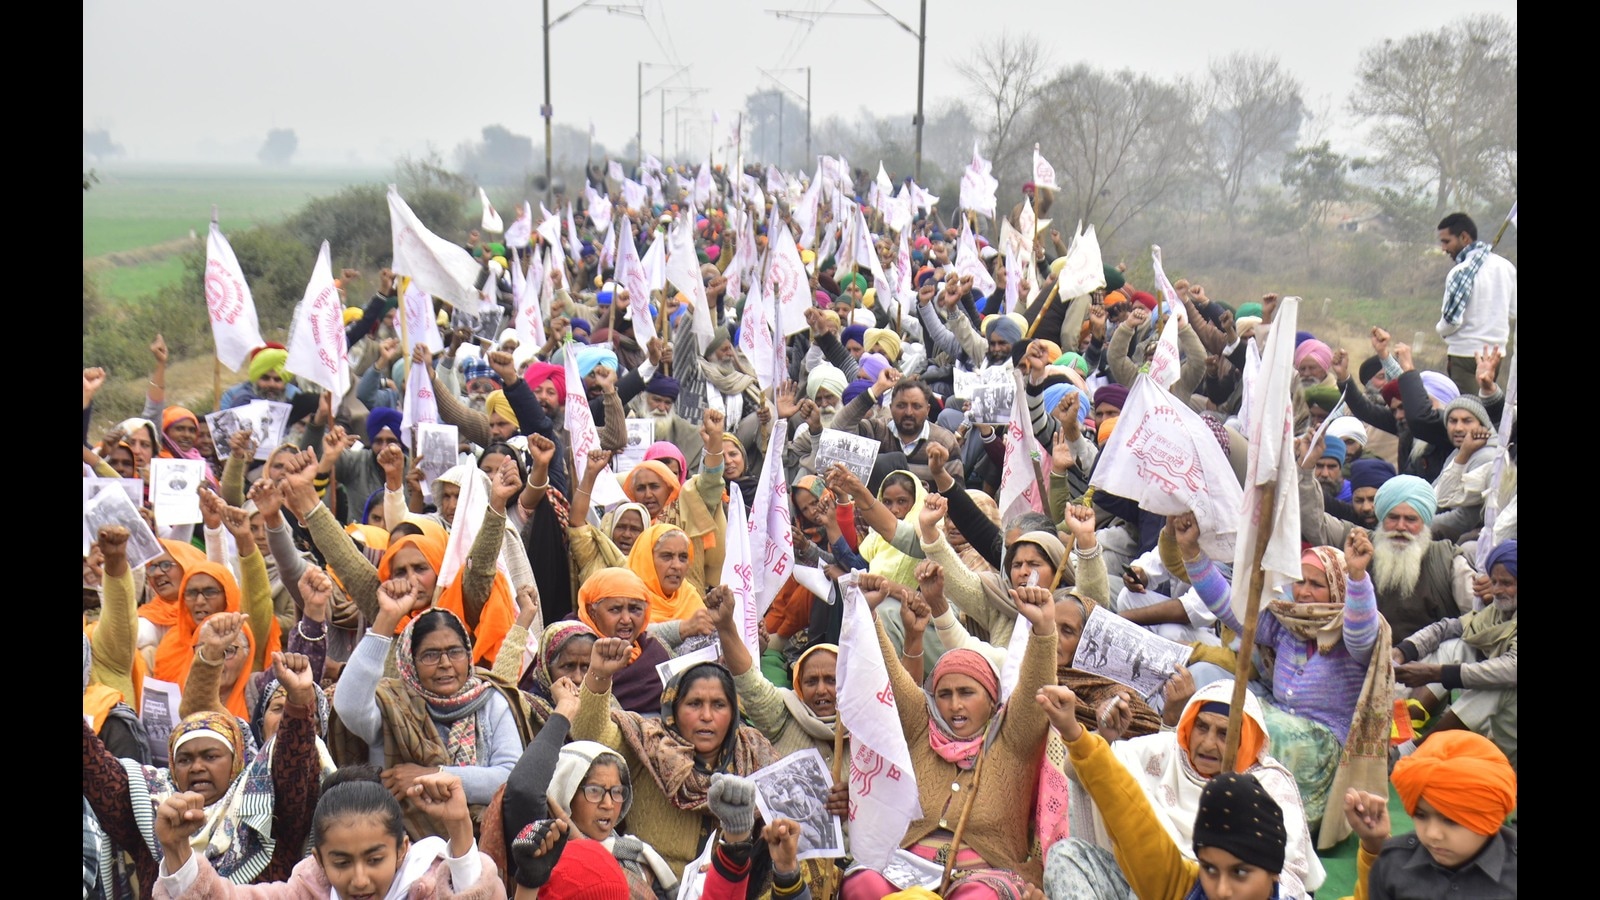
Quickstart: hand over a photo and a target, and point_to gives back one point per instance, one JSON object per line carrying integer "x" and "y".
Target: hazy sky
{"x": 361, "y": 82}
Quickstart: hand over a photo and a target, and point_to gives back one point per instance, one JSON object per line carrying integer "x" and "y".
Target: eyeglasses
{"x": 432, "y": 657}
{"x": 163, "y": 566}
{"x": 234, "y": 650}
{"x": 210, "y": 593}
{"x": 594, "y": 793}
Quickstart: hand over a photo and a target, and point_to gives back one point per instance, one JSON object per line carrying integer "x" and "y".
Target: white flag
{"x": 574, "y": 246}
{"x": 1084, "y": 272}
{"x": 421, "y": 407}
{"x": 549, "y": 226}
{"x": 471, "y": 504}
{"x": 491, "y": 219}
{"x": 683, "y": 270}
{"x": 883, "y": 780}
{"x": 521, "y": 231}
{"x": 968, "y": 262}
{"x": 755, "y": 337}
{"x": 597, "y": 207}
{"x": 1169, "y": 296}
{"x": 897, "y": 211}
{"x": 788, "y": 281}
{"x": 921, "y": 199}
{"x": 702, "y": 184}
{"x": 584, "y": 436}
{"x": 651, "y": 164}
{"x": 1044, "y": 174}
{"x": 422, "y": 326}
{"x": 234, "y": 327}
{"x": 773, "y": 521}
{"x": 1019, "y": 487}
{"x": 1163, "y": 456}
{"x": 630, "y": 273}
{"x": 1165, "y": 362}
{"x": 529, "y": 321}
{"x": 653, "y": 184}
{"x": 739, "y": 574}
{"x": 316, "y": 345}
{"x": 608, "y": 250}
{"x": 1270, "y": 436}
{"x": 776, "y": 184}
{"x": 634, "y": 196}
{"x": 614, "y": 171}
{"x": 902, "y": 269}
{"x": 441, "y": 268}
{"x": 1491, "y": 500}
{"x": 978, "y": 186}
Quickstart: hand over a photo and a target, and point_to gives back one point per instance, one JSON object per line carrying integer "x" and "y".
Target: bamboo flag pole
{"x": 1247, "y": 640}
{"x": 838, "y": 748}
{"x": 1034, "y": 325}
{"x": 961, "y": 825}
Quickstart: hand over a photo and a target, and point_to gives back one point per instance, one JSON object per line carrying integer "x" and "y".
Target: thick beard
{"x": 660, "y": 413}
{"x": 1506, "y": 605}
{"x": 1397, "y": 566}
{"x": 477, "y": 403}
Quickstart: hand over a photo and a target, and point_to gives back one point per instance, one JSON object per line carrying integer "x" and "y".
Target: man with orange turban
{"x": 1458, "y": 788}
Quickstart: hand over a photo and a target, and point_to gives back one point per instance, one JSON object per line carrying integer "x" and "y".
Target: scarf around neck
{"x": 1458, "y": 286}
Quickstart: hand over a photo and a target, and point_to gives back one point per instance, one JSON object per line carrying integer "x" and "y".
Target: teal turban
{"x": 1407, "y": 489}
{"x": 590, "y": 357}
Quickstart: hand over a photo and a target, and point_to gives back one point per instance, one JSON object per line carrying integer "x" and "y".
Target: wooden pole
{"x": 1247, "y": 640}
{"x": 216, "y": 384}
{"x": 838, "y": 748}
{"x": 961, "y": 825}
{"x": 1034, "y": 325}
{"x": 661, "y": 330}
{"x": 405, "y": 337}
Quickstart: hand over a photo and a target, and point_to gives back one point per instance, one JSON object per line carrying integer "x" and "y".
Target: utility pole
{"x": 545, "y": 110}
{"x": 807, "y": 98}
{"x": 920, "y": 33}
{"x": 639, "y": 134}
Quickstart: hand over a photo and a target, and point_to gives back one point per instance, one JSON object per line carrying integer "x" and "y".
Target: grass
{"x": 128, "y": 283}
{"x": 1340, "y": 862}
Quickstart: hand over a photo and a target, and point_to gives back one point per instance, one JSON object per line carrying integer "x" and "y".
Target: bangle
{"x": 917, "y": 655}
{"x": 300, "y": 626}
{"x": 158, "y": 386}
{"x": 540, "y": 487}
{"x": 200, "y": 654}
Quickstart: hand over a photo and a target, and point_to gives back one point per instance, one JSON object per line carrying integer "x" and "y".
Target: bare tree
{"x": 1444, "y": 105}
{"x": 1123, "y": 142}
{"x": 1005, "y": 74}
{"x": 1254, "y": 112}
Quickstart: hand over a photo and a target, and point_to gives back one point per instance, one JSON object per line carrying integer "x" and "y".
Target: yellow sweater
{"x": 115, "y": 637}
{"x": 999, "y": 826}
{"x": 1152, "y": 863}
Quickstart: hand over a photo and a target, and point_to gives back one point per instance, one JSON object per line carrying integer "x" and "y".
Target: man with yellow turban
{"x": 1458, "y": 788}
{"x": 266, "y": 378}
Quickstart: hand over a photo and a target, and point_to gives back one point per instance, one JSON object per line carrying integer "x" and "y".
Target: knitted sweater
{"x": 1010, "y": 766}
{"x": 765, "y": 707}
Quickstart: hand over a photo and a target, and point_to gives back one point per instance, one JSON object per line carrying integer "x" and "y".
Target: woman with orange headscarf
{"x": 208, "y": 588}
{"x": 617, "y": 603}
{"x": 180, "y": 432}
{"x": 163, "y": 604}
{"x": 662, "y": 557}
{"x": 695, "y": 508}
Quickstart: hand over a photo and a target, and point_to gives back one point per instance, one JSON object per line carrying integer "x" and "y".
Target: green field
{"x": 137, "y": 210}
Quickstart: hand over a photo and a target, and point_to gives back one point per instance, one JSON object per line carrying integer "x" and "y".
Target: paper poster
{"x": 159, "y": 712}
{"x": 225, "y": 424}
{"x": 1126, "y": 653}
{"x": 641, "y": 434}
{"x": 174, "y": 490}
{"x": 796, "y": 787}
{"x": 274, "y": 422}
{"x": 133, "y": 488}
{"x": 437, "y": 447}
{"x": 693, "y": 658}
{"x": 858, "y": 454}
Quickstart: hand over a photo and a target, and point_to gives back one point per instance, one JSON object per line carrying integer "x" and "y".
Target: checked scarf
{"x": 1458, "y": 286}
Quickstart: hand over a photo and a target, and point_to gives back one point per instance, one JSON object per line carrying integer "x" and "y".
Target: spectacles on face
{"x": 210, "y": 593}
{"x": 432, "y": 657}
{"x": 594, "y": 793}
{"x": 234, "y": 650}
{"x": 164, "y": 565}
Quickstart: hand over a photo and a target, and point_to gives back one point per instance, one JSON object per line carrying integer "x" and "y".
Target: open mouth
{"x": 201, "y": 785}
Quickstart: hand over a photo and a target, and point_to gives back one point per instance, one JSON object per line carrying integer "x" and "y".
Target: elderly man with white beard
{"x": 659, "y": 402}
{"x": 1476, "y": 654}
{"x": 1419, "y": 580}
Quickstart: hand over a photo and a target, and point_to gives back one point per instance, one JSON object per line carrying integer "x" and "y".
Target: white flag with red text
{"x": 597, "y": 207}
{"x": 422, "y": 326}
{"x": 1169, "y": 296}
{"x": 771, "y": 521}
{"x": 968, "y": 262}
{"x": 1166, "y": 362}
{"x": 529, "y": 321}
{"x": 234, "y": 327}
{"x": 317, "y": 351}
{"x": 978, "y": 186}
{"x": 1084, "y": 272}
{"x": 521, "y": 231}
{"x": 1019, "y": 487}
{"x": 421, "y": 407}
{"x": 631, "y": 275}
{"x": 788, "y": 281}
{"x": 1044, "y": 174}
{"x": 683, "y": 270}
{"x": 740, "y": 575}
{"x": 581, "y": 431}
{"x": 883, "y": 781}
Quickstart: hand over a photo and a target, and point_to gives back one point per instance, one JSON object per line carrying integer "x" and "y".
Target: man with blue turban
{"x": 1475, "y": 654}
{"x": 1419, "y": 580}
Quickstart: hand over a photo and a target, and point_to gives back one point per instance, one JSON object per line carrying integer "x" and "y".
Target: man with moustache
{"x": 1419, "y": 580}
{"x": 660, "y": 399}
{"x": 1476, "y": 654}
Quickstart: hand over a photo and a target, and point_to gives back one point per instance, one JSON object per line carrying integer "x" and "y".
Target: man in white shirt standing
{"x": 1480, "y": 298}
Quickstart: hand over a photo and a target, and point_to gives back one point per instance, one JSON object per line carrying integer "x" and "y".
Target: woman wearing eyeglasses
{"x": 440, "y": 715}
{"x": 593, "y": 786}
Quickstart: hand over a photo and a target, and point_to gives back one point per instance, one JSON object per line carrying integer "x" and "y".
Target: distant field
{"x": 131, "y": 209}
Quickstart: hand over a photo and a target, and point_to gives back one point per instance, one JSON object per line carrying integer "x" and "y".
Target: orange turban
{"x": 674, "y": 487}
{"x": 1461, "y": 774}
{"x": 614, "y": 581}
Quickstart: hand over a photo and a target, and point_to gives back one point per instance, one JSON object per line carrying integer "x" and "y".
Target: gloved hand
{"x": 537, "y": 848}
{"x": 733, "y": 800}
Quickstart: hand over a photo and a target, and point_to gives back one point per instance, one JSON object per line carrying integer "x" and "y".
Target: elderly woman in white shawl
{"x": 593, "y": 787}
{"x": 1173, "y": 768}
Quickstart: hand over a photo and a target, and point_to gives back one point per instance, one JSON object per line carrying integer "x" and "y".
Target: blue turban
{"x": 663, "y": 386}
{"x": 474, "y": 367}
{"x": 855, "y": 389}
{"x": 380, "y": 418}
{"x": 1300, "y": 337}
{"x": 1334, "y": 447}
{"x": 1051, "y": 396}
{"x": 603, "y": 298}
{"x": 1007, "y": 329}
{"x": 581, "y": 324}
{"x": 872, "y": 365}
{"x": 1503, "y": 554}
{"x": 590, "y": 357}
{"x": 1370, "y": 473}
{"x": 857, "y": 333}
{"x": 1410, "y": 490}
